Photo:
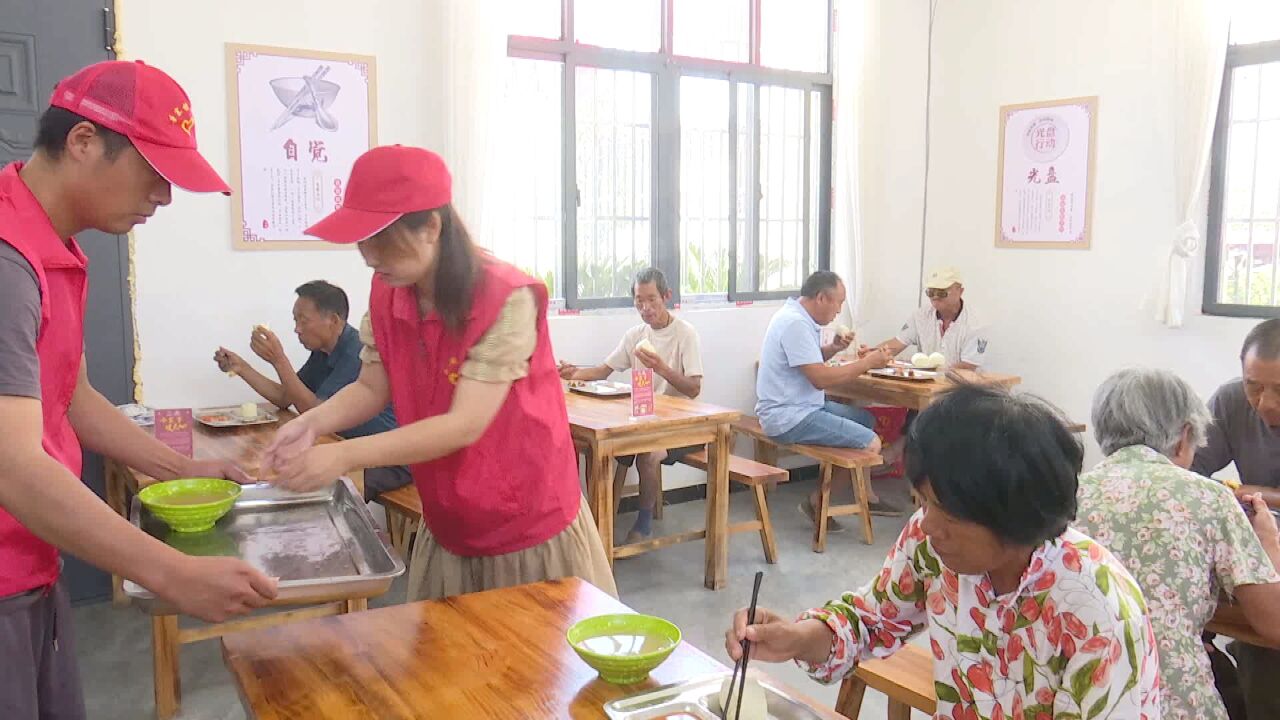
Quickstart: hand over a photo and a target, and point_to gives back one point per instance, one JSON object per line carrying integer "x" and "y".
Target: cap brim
{"x": 348, "y": 225}
{"x": 184, "y": 167}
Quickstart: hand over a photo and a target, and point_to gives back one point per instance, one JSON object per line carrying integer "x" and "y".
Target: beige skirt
{"x": 434, "y": 572}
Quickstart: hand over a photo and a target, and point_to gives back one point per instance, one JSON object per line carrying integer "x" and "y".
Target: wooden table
{"x": 604, "y": 429}
{"x": 908, "y": 394}
{"x": 244, "y": 446}
{"x": 496, "y": 654}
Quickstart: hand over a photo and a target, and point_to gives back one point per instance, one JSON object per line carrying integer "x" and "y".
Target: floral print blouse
{"x": 1071, "y": 643}
{"x": 1185, "y": 539}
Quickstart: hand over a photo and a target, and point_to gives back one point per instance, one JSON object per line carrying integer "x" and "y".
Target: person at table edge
{"x": 1185, "y": 538}
{"x": 320, "y": 322}
{"x": 1026, "y": 617}
{"x": 458, "y": 342}
{"x": 794, "y": 376}
{"x": 1246, "y": 431}
{"x": 672, "y": 351}
{"x": 947, "y": 325}
{"x": 115, "y": 138}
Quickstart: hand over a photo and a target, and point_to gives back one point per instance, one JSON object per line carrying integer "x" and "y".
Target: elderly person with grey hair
{"x": 1183, "y": 537}
{"x": 670, "y": 346}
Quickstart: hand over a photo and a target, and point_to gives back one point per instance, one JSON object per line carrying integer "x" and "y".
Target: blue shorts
{"x": 835, "y": 425}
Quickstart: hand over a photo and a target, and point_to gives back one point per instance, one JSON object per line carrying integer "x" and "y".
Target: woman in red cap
{"x": 458, "y": 341}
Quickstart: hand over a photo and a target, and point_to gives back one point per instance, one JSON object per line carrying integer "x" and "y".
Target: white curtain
{"x": 1199, "y": 55}
{"x": 473, "y": 35}
{"x": 849, "y": 47}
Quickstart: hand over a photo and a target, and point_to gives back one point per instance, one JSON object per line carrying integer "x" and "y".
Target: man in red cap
{"x": 116, "y": 136}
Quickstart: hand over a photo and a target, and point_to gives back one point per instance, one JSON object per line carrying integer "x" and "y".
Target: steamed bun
{"x": 754, "y": 704}
{"x": 647, "y": 346}
{"x": 937, "y": 359}
{"x": 920, "y": 360}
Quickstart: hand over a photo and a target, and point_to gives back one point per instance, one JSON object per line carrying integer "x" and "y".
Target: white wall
{"x": 194, "y": 291}
{"x": 1062, "y": 319}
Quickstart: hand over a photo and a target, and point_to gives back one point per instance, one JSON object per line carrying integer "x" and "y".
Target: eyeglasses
{"x": 936, "y": 294}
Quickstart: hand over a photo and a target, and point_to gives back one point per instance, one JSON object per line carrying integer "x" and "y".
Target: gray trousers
{"x": 1259, "y": 670}
{"x": 40, "y": 680}
{"x": 383, "y": 479}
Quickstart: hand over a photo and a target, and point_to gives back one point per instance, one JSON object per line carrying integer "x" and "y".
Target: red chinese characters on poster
{"x": 642, "y": 392}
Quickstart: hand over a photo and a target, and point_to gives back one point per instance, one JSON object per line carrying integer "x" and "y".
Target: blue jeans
{"x": 835, "y": 425}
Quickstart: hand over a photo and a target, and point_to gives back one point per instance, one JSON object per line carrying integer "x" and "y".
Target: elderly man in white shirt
{"x": 946, "y": 326}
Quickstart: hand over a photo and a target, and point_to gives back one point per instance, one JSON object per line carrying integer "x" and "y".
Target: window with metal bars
{"x": 692, "y": 135}
{"x": 1241, "y": 277}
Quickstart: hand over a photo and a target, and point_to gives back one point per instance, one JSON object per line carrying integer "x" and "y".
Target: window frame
{"x": 1237, "y": 56}
{"x": 667, "y": 68}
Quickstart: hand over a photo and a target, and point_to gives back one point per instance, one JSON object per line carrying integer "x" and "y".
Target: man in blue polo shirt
{"x": 793, "y": 378}
{"x": 320, "y": 322}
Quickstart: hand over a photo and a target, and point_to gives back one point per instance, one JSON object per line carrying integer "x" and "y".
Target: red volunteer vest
{"x": 26, "y": 561}
{"x": 515, "y": 487}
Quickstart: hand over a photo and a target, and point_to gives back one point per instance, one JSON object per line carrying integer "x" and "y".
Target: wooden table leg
{"x": 898, "y": 710}
{"x": 166, "y": 673}
{"x": 355, "y": 605}
{"x": 116, "y": 493}
{"x": 600, "y": 496}
{"x": 849, "y": 703}
{"x": 823, "y": 507}
{"x": 717, "y": 549}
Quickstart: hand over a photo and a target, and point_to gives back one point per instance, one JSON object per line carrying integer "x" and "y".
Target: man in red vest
{"x": 116, "y": 136}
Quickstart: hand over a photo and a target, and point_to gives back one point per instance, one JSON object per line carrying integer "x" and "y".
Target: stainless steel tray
{"x": 322, "y": 546}
{"x": 698, "y": 699}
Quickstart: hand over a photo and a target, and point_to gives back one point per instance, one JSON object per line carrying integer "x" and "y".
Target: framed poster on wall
{"x": 1045, "y": 174}
{"x": 298, "y": 119}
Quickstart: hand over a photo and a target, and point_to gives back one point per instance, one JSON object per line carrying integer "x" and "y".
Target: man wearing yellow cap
{"x": 947, "y": 325}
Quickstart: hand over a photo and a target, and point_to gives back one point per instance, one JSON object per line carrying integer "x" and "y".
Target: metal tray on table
{"x": 322, "y": 546}
{"x": 698, "y": 699}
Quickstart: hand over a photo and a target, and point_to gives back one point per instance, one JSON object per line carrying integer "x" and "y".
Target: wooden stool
{"x": 756, "y": 476}
{"x": 404, "y": 510}
{"x": 858, "y": 462}
{"x": 906, "y": 677}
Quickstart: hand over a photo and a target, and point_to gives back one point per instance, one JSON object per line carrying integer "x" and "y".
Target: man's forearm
{"x": 685, "y": 385}
{"x": 294, "y": 391}
{"x": 105, "y": 430}
{"x": 60, "y": 509}
{"x": 599, "y": 372}
{"x": 269, "y": 389}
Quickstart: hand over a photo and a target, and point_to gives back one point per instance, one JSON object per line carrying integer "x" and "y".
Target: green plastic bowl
{"x": 623, "y": 648}
{"x": 171, "y": 502}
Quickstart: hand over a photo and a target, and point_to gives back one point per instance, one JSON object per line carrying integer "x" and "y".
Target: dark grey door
{"x": 42, "y": 41}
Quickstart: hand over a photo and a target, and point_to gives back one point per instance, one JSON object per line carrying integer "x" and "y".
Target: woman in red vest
{"x": 458, "y": 341}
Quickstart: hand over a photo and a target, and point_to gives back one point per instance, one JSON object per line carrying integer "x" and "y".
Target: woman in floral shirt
{"x": 1026, "y": 618}
{"x": 1184, "y": 537}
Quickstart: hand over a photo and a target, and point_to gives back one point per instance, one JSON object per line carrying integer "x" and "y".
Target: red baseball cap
{"x": 385, "y": 183}
{"x": 148, "y": 107}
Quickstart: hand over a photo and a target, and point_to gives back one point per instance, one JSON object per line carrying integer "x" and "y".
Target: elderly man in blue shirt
{"x": 794, "y": 376}
{"x": 320, "y": 322}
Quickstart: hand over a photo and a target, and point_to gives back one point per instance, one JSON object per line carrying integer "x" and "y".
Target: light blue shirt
{"x": 785, "y": 395}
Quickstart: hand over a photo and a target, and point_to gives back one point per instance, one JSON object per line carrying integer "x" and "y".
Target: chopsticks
{"x": 740, "y": 668}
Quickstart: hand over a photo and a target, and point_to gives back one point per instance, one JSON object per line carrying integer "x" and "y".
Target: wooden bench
{"x": 754, "y": 475}
{"x": 906, "y": 677}
{"x": 857, "y": 462}
{"x": 404, "y": 510}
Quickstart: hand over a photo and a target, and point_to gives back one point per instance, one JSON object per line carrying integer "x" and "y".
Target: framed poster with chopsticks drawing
{"x": 1045, "y": 174}
{"x": 298, "y": 119}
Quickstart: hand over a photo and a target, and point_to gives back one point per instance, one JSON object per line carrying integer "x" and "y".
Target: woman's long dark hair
{"x": 457, "y": 265}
